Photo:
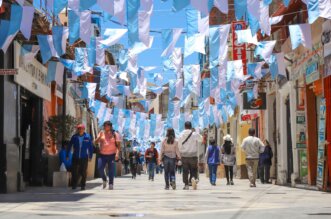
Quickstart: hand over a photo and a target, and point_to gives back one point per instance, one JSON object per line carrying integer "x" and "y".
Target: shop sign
{"x": 312, "y": 73}
{"x": 301, "y": 130}
{"x": 31, "y": 76}
{"x": 260, "y": 103}
{"x": 300, "y": 61}
{"x": 8, "y": 71}
{"x": 239, "y": 49}
{"x": 321, "y": 145}
{"x": 248, "y": 117}
{"x": 303, "y": 164}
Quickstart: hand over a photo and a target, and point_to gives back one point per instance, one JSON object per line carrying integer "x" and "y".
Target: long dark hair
{"x": 227, "y": 147}
{"x": 170, "y": 136}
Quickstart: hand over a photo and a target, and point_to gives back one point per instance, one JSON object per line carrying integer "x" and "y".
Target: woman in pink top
{"x": 110, "y": 143}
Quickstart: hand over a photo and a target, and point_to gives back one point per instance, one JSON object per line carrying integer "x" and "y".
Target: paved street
{"x": 141, "y": 198}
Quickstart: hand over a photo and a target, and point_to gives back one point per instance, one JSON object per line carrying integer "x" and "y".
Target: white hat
{"x": 227, "y": 138}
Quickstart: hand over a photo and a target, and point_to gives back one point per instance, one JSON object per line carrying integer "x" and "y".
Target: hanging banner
{"x": 260, "y": 103}
{"x": 239, "y": 49}
{"x": 321, "y": 145}
{"x": 312, "y": 73}
{"x": 301, "y": 129}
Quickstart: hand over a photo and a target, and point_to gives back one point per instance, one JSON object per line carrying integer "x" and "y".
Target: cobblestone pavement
{"x": 141, "y": 198}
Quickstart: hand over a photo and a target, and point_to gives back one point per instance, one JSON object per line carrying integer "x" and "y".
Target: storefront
{"x": 32, "y": 93}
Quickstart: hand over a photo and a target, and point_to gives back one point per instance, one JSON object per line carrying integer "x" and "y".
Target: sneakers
{"x": 111, "y": 187}
{"x": 213, "y": 184}
{"x": 186, "y": 187}
{"x": 252, "y": 185}
{"x": 194, "y": 184}
{"x": 104, "y": 184}
{"x": 173, "y": 185}
{"x": 228, "y": 183}
{"x": 231, "y": 183}
{"x": 166, "y": 188}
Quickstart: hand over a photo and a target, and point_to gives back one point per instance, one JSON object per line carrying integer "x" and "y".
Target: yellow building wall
{"x": 242, "y": 133}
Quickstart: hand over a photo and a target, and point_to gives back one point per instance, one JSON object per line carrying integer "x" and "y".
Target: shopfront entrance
{"x": 31, "y": 131}
{"x": 289, "y": 141}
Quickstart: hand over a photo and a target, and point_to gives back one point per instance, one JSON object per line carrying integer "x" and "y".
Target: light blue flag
{"x": 273, "y": 66}
{"x": 4, "y": 29}
{"x": 126, "y": 128}
{"x": 45, "y": 49}
{"x": 104, "y": 78}
{"x": 74, "y": 26}
{"x": 114, "y": 119}
{"x": 253, "y": 23}
{"x": 123, "y": 59}
{"x": 214, "y": 78}
{"x": 313, "y": 10}
{"x": 240, "y": 7}
{"x": 58, "y": 32}
{"x": 267, "y": 2}
{"x": 178, "y": 5}
{"x": 192, "y": 22}
{"x": 205, "y": 83}
{"x": 172, "y": 89}
{"x": 211, "y": 116}
{"x": 86, "y": 4}
{"x": 286, "y": 2}
{"x": 59, "y": 5}
{"x": 133, "y": 23}
{"x": 152, "y": 125}
{"x": 141, "y": 133}
{"x": 195, "y": 118}
{"x": 92, "y": 54}
{"x": 51, "y": 71}
{"x": 181, "y": 122}
{"x": 214, "y": 45}
{"x": 250, "y": 94}
{"x": 81, "y": 62}
{"x": 133, "y": 81}
{"x": 145, "y": 104}
{"x": 224, "y": 115}
{"x": 68, "y": 64}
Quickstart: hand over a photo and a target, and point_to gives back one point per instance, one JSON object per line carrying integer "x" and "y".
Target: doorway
{"x": 31, "y": 131}
{"x": 289, "y": 141}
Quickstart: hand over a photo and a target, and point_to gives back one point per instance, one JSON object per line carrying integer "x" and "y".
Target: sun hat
{"x": 227, "y": 138}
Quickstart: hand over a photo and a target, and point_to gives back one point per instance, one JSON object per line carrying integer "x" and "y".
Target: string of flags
{"x": 185, "y": 82}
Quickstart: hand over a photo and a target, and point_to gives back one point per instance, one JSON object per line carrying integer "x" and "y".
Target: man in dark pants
{"x": 82, "y": 153}
{"x": 188, "y": 146}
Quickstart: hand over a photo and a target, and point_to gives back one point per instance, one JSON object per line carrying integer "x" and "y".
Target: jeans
{"x": 109, "y": 160}
{"x": 169, "y": 170}
{"x": 79, "y": 169}
{"x": 151, "y": 169}
{"x": 228, "y": 173}
{"x": 252, "y": 165}
{"x": 190, "y": 165}
{"x": 212, "y": 173}
{"x": 264, "y": 171}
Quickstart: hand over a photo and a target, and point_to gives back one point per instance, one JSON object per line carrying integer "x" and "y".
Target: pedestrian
{"x": 228, "y": 158}
{"x": 109, "y": 152}
{"x": 82, "y": 146}
{"x": 151, "y": 156}
{"x": 252, "y": 146}
{"x": 169, "y": 155}
{"x": 213, "y": 160}
{"x": 265, "y": 163}
{"x": 134, "y": 158}
{"x": 188, "y": 147}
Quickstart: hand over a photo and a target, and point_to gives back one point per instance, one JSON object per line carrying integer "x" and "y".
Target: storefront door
{"x": 289, "y": 142}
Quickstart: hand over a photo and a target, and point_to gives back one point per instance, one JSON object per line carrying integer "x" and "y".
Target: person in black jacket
{"x": 134, "y": 161}
{"x": 265, "y": 163}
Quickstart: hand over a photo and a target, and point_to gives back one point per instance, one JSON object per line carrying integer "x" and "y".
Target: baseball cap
{"x": 81, "y": 126}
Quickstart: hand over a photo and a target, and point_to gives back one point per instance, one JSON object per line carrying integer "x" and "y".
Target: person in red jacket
{"x": 151, "y": 156}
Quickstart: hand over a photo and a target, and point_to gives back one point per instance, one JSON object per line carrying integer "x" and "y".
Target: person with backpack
{"x": 82, "y": 146}
{"x": 188, "y": 147}
{"x": 109, "y": 152}
{"x": 265, "y": 163}
{"x": 228, "y": 158}
{"x": 151, "y": 156}
{"x": 213, "y": 160}
{"x": 134, "y": 158}
{"x": 169, "y": 155}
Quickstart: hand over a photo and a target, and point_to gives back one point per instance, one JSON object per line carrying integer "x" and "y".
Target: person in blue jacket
{"x": 82, "y": 145}
{"x": 63, "y": 157}
{"x": 213, "y": 160}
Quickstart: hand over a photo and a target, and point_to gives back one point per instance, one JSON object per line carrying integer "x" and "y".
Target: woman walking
{"x": 169, "y": 154}
{"x": 109, "y": 152}
{"x": 228, "y": 158}
{"x": 213, "y": 160}
{"x": 265, "y": 163}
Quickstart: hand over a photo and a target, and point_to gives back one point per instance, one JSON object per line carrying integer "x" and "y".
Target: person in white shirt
{"x": 252, "y": 146}
{"x": 188, "y": 147}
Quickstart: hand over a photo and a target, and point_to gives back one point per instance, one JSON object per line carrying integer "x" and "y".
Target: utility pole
{"x": 64, "y": 108}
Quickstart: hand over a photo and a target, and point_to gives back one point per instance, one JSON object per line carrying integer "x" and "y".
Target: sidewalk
{"x": 146, "y": 199}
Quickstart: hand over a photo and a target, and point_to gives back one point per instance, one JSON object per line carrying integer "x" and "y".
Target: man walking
{"x": 81, "y": 143}
{"x": 188, "y": 147}
{"x": 252, "y": 146}
{"x": 152, "y": 157}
